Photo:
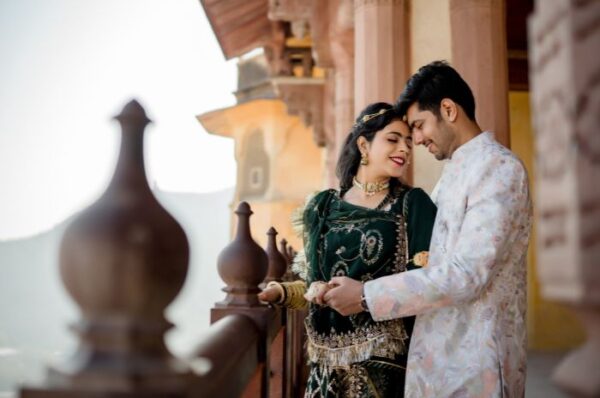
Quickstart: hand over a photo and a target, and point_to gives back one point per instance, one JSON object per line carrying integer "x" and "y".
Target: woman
{"x": 373, "y": 226}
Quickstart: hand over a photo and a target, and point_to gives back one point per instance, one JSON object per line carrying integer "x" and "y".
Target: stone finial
{"x": 123, "y": 260}
{"x": 288, "y": 251}
{"x": 242, "y": 265}
{"x": 277, "y": 262}
{"x": 283, "y": 248}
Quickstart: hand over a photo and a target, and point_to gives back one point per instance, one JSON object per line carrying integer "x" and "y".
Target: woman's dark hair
{"x": 349, "y": 160}
{"x": 431, "y": 84}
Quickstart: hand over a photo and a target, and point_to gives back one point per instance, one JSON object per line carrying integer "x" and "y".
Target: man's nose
{"x": 417, "y": 137}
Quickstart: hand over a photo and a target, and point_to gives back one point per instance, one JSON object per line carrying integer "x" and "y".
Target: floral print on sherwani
{"x": 469, "y": 338}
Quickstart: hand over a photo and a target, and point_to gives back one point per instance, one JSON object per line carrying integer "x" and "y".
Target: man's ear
{"x": 449, "y": 110}
{"x": 362, "y": 144}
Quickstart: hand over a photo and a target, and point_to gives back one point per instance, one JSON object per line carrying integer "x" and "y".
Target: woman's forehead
{"x": 397, "y": 126}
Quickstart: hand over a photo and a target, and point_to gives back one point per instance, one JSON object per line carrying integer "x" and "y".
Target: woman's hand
{"x": 316, "y": 291}
{"x": 270, "y": 295}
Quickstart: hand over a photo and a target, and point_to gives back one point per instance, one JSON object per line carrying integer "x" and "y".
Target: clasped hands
{"x": 341, "y": 293}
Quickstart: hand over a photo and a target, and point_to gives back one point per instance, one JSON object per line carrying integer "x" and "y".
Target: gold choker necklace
{"x": 371, "y": 188}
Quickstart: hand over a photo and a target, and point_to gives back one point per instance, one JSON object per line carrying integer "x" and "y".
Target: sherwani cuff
{"x": 380, "y": 305}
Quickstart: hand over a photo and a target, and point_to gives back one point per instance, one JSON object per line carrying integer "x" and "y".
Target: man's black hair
{"x": 431, "y": 84}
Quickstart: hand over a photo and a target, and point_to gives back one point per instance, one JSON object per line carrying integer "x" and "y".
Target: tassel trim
{"x": 384, "y": 339}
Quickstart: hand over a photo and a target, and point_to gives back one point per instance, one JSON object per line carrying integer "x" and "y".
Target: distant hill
{"x": 35, "y": 310}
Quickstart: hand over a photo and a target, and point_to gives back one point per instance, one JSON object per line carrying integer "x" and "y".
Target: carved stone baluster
{"x": 278, "y": 358}
{"x": 123, "y": 260}
{"x": 283, "y": 249}
{"x": 243, "y": 266}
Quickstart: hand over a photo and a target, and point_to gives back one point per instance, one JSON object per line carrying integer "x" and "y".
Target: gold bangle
{"x": 280, "y": 288}
{"x": 294, "y": 294}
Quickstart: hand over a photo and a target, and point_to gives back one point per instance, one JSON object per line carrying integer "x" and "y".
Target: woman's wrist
{"x": 281, "y": 289}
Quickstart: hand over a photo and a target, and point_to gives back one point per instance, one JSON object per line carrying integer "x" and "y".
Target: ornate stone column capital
{"x": 289, "y": 10}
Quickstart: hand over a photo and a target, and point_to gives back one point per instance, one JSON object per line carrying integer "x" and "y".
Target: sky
{"x": 68, "y": 66}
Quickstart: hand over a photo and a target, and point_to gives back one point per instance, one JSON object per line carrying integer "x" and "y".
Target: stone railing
{"x": 124, "y": 259}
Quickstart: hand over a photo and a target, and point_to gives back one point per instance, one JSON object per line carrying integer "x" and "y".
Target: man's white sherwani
{"x": 469, "y": 338}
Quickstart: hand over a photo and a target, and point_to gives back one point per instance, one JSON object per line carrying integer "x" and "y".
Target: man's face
{"x": 435, "y": 134}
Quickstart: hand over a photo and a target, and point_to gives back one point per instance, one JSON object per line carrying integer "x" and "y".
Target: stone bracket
{"x": 304, "y": 98}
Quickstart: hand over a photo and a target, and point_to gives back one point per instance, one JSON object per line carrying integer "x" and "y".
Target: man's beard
{"x": 447, "y": 136}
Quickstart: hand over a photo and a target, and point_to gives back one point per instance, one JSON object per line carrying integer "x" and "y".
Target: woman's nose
{"x": 405, "y": 147}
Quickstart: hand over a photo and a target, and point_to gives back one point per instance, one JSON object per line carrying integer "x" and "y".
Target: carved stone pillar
{"x": 381, "y": 51}
{"x": 342, "y": 48}
{"x": 332, "y": 28}
{"x": 479, "y": 54}
{"x": 564, "y": 38}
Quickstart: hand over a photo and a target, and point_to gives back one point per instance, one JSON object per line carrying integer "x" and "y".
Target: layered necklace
{"x": 371, "y": 188}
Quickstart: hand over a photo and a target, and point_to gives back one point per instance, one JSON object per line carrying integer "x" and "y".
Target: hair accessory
{"x": 370, "y": 116}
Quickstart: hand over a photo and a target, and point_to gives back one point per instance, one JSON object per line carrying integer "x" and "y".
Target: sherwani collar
{"x": 472, "y": 146}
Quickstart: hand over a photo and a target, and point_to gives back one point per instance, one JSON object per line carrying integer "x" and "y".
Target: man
{"x": 469, "y": 338}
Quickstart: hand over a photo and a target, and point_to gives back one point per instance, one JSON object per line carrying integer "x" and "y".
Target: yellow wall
{"x": 430, "y": 40}
{"x": 551, "y": 326}
{"x": 295, "y": 163}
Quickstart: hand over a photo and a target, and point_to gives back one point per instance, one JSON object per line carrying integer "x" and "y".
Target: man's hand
{"x": 344, "y": 295}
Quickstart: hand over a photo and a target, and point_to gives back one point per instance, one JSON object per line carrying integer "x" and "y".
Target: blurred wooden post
{"x": 564, "y": 38}
{"x": 123, "y": 260}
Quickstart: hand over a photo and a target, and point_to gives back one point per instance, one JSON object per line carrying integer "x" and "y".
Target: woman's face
{"x": 389, "y": 151}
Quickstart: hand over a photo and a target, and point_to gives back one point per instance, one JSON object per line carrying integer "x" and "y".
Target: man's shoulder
{"x": 494, "y": 154}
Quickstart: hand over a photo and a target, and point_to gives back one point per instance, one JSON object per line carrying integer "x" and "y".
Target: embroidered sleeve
{"x": 498, "y": 210}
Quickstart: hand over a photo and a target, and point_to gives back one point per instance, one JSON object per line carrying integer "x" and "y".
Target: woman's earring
{"x": 364, "y": 159}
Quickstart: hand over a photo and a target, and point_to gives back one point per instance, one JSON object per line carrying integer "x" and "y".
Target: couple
{"x": 377, "y": 253}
